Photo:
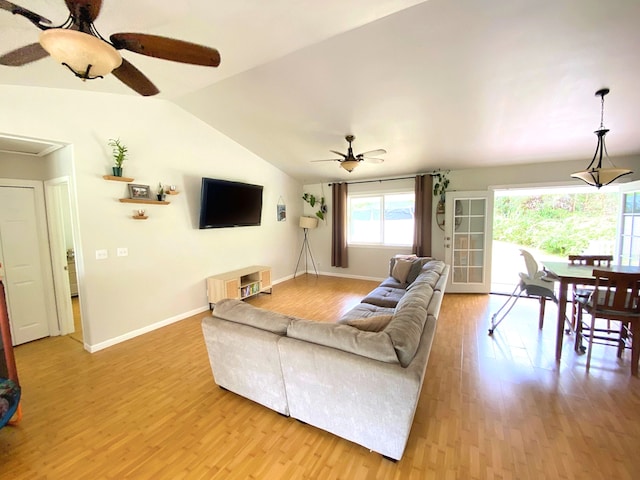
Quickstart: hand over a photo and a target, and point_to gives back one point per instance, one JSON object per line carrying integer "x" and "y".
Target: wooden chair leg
{"x": 578, "y": 331}
{"x": 635, "y": 347}
{"x": 593, "y": 326}
{"x": 623, "y": 338}
{"x": 543, "y": 302}
{"x": 574, "y": 311}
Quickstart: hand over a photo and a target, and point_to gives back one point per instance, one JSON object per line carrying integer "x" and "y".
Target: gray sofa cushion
{"x": 365, "y": 310}
{"x": 393, "y": 283}
{"x": 405, "y": 329}
{"x": 384, "y": 296}
{"x": 240, "y": 312}
{"x": 371, "y": 324}
{"x": 374, "y": 345}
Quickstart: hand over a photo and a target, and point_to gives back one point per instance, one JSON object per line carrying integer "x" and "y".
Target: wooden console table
{"x": 239, "y": 284}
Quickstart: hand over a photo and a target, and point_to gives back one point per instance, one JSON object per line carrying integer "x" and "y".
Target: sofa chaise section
{"x": 242, "y": 342}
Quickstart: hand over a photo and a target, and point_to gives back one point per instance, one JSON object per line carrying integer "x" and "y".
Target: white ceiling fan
{"x": 349, "y": 161}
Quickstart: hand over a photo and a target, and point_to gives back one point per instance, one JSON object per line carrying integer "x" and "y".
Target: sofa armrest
{"x": 240, "y": 312}
{"x": 245, "y": 360}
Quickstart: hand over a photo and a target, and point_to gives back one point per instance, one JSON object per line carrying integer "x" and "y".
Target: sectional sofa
{"x": 359, "y": 378}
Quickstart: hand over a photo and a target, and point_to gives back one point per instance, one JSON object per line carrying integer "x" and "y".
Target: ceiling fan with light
{"x": 349, "y": 161}
{"x": 77, "y": 45}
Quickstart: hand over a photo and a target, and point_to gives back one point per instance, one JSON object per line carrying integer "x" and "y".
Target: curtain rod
{"x": 387, "y": 179}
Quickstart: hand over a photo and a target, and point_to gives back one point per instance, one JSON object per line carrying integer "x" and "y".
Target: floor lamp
{"x": 306, "y": 223}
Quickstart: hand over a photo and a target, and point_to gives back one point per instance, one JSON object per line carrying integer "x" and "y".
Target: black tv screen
{"x": 229, "y": 204}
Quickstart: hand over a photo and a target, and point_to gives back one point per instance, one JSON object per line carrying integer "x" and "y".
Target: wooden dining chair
{"x": 616, "y": 297}
{"x": 582, "y": 290}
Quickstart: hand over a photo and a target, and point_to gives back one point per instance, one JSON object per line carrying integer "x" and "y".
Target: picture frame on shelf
{"x": 139, "y": 191}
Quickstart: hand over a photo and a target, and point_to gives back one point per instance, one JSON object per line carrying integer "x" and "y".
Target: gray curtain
{"x": 339, "y": 257}
{"x": 422, "y": 228}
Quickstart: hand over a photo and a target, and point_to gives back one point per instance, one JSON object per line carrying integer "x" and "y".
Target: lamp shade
{"x": 595, "y": 174}
{"x": 349, "y": 165}
{"x": 87, "y": 56}
{"x": 308, "y": 222}
{"x": 598, "y": 177}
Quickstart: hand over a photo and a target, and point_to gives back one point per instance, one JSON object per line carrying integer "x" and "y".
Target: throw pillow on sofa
{"x": 401, "y": 269}
{"x": 371, "y": 324}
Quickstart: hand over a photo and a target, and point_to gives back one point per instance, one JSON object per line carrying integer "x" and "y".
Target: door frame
{"x": 56, "y": 202}
{"x": 43, "y": 245}
{"x": 624, "y": 188}
{"x": 451, "y": 197}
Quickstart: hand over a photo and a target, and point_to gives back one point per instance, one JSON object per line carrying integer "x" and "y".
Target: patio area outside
{"x": 550, "y": 224}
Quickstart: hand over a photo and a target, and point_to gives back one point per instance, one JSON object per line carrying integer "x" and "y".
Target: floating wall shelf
{"x": 118, "y": 179}
{"x": 147, "y": 201}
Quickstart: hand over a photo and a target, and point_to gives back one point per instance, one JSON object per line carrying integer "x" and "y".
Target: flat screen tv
{"x": 229, "y": 204}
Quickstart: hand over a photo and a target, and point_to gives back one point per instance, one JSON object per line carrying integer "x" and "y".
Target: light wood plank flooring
{"x": 490, "y": 407}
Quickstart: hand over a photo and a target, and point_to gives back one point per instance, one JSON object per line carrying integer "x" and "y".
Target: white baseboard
{"x": 355, "y": 277}
{"x": 163, "y": 323}
{"x": 141, "y": 331}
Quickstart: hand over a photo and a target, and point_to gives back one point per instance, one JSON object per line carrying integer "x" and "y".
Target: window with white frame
{"x": 381, "y": 218}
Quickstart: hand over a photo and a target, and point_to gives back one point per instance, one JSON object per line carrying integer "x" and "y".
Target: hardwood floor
{"x": 77, "y": 335}
{"x": 490, "y": 407}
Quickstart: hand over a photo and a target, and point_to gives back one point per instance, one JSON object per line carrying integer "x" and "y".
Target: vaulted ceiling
{"x": 439, "y": 84}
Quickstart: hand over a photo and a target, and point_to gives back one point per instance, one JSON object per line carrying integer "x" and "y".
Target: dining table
{"x": 569, "y": 274}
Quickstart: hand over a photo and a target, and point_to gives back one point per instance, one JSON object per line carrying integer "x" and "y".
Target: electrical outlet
{"x": 102, "y": 254}
{"x": 122, "y": 251}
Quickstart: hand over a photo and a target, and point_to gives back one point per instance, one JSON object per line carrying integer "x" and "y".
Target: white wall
{"x": 163, "y": 278}
{"x": 22, "y": 167}
{"x": 372, "y": 262}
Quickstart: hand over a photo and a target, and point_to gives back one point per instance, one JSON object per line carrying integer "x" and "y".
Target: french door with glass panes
{"x": 468, "y": 241}
{"x": 629, "y": 229}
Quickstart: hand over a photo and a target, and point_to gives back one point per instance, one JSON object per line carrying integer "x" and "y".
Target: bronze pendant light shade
{"x": 595, "y": 174}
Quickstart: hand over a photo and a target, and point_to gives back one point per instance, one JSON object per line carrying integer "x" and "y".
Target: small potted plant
{"x": 160, "y": 193}
{"x": 119, "y": 153}
{"x": 312, "y": 200}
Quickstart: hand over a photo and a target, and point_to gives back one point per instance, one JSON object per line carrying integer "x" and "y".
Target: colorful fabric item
{"x": 9, "y": 399}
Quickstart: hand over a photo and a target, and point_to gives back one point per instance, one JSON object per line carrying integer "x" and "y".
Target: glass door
{"x": 629, "y": 231}
{"x": 468, "y": 241}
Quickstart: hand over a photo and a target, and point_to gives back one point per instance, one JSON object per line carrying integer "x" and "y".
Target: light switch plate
{"x": 102, "y": 254}
{"x": 122, "y": 251}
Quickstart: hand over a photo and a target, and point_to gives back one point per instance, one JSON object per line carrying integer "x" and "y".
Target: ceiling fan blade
{"x": 33, "y": 17}
{"x": 372, "y": 160}
{"x": 328, "y": 160}
{"x": 84, "y": 10}
{"x": 135, "y": 79}
{"x": 380, "y": 151}
{"x": 338, "y": 153}
{"x": 166, "y": 48}
{"x": 23, "y": 55}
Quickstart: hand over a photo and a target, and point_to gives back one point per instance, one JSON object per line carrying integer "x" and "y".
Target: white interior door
{"x": 57, "y": 197}
{"x": 22, "y": 265}
{"x": 468, "y": 235}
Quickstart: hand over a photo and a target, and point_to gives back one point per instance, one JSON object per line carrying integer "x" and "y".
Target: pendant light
{"x": 595, "y": 174}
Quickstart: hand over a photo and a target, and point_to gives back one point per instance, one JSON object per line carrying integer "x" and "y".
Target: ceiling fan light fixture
{"x": 595, "y": 174}
{"x": 349, "y": 165}
{"x": 88, "y": 57}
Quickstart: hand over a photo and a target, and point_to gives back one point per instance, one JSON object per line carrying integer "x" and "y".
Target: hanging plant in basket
{"x": 312, "y": 200}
